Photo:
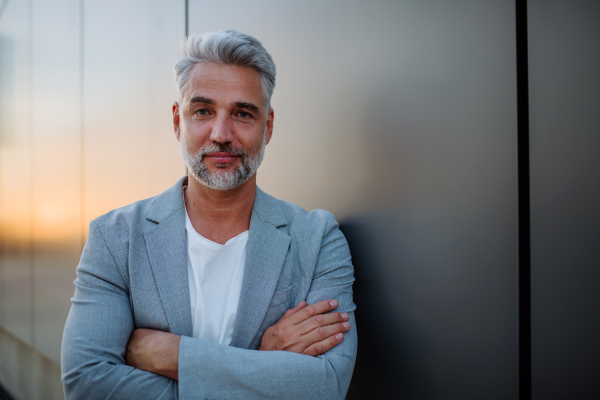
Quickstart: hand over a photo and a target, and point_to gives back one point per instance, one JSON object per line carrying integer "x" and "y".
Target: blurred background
{"x": 400, "y": 117}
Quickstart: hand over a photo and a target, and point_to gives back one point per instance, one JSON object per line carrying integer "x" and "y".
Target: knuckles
{"x": 286, "y": 337}
{"x": 321, "y": 331}
{"x": 308, "y": 352}
{"x": 284, "y": 334}
{"x": 317, "y": 349}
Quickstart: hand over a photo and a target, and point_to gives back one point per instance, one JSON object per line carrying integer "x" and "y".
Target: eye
{"x": 202, "y": 111}
{"x": 244, "y": 114}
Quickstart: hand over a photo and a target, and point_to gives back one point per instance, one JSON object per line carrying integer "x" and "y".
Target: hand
{"x": 307, "y": 329}
{"x": 154, "y": 351}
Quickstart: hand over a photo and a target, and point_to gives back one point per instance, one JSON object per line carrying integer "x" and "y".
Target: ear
{"x": 269, "y": 130}
{"x": 176, "y": 121}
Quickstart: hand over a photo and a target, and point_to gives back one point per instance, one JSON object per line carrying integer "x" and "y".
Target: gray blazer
{"x": 133, "y": 274}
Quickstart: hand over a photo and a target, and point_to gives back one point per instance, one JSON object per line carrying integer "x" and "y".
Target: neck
{"x": 220, "y": 215}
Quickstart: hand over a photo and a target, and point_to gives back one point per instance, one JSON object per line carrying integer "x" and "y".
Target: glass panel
{"x": 400, "y": 118}
{"x": 130, "y": 149}
{"x": 15, "y": 169}
{"x": 56, "y": 167}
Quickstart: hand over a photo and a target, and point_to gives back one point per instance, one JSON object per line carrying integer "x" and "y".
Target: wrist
{"x": 166, "y": 362}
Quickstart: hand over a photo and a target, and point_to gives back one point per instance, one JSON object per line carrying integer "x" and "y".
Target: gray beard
{"x": 222, "y": 180}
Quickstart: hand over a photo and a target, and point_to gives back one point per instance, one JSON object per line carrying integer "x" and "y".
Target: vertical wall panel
{"x": 7, "y": 93}
{"x": 400, "y": 118}
{"x": 16, "y": 172}
{"x": 56, "y": 154}
{"x": 564, "y": 60}
{"x": 130, "y": 148}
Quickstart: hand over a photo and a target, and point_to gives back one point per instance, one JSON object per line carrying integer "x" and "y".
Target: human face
{"x": 222, "y": 125}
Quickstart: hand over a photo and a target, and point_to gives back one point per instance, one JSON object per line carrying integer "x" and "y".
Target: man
{"x": 191, "y": 294}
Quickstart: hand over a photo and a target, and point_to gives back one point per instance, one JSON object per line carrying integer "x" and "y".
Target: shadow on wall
{"x": 390, "y": 358}
{"x": 433, "y": 248}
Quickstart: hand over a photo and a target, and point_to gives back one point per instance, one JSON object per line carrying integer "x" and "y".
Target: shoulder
{"x": 296, "y": 214}
{"x": 314, "y": 235}
{"x": 319, "y": 245}
{"x": 294, "y": 217}
{"x": 116, "y": 230}
{"x": 125, "y": 216}
{"x": 140, "y": 214}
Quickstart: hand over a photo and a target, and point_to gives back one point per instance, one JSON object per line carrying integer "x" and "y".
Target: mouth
{"x": 222, "y": 158}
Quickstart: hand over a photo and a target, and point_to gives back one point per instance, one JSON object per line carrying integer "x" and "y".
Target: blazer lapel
{"x": 265, "y": 254}
{"x": 166, "y": 244}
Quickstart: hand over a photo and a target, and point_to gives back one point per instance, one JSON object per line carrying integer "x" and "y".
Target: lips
{"x": 222, "y": 158}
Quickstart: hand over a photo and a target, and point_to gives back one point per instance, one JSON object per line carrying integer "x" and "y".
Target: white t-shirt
{"x": 215, "y": 273}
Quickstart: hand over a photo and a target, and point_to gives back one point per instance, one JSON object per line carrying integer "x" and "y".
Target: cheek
{"x": 257, "y": 144}
{"x": 253, "y": 138}
{"x": 196, "y": 136}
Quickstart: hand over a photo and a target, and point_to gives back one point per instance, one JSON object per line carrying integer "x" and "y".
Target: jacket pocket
{"x": 282, "y": 296}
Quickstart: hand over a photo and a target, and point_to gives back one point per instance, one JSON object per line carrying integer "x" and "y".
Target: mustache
{"x": 220, "y": 148}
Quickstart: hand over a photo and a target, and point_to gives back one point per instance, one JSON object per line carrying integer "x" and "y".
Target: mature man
{"x": 184, "y": 294}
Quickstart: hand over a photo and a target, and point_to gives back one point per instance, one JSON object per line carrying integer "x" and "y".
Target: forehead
{"x": 224, "y": 83}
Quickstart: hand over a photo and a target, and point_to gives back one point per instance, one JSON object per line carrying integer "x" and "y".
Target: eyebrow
{"x": 239, "y": 104}
{"x": 200, "y": 99}
{"x": 248, "y": 106}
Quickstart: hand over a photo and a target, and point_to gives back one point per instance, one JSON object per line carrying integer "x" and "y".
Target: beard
{"x": 222, "y": 179}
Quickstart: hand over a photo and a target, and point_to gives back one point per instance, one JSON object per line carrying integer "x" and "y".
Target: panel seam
{"x": 524, "y": 205}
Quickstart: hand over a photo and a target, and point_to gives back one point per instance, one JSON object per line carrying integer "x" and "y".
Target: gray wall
{"x": 564, "y": 60}
{"x": 397, "y": 116}
{"x": 400, "y": 118}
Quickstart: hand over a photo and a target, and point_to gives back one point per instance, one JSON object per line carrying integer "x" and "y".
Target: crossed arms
{"x": 101, "y": 324}
{"x": 303, "y": 329}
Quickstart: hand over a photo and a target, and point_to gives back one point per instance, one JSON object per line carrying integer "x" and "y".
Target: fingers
{"x": 312, "y": 310}
{"x": 321, "y": 320}
{"x": 291, "y": 311}
{"x": 324, "y": 345}
{"x": 323, "y": 332}
{"x": 309, "y": 329}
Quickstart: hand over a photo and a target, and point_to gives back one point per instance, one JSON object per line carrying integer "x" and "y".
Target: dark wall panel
{"x": 564, "y": 43}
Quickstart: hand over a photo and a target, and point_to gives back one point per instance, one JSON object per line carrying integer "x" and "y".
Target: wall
{"x": 399, "y": 117}
{"x": 85, "y": 127}
{"x": 565, "y": 193}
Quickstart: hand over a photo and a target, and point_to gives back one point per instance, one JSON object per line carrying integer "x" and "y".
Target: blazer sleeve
{"x": 97, "y": 331}
{"x": 211, "y": 370}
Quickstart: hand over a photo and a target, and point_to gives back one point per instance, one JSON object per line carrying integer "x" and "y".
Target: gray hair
{"x": 227, "y": 47}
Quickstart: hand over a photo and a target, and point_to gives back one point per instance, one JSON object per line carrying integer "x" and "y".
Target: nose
{"x": 222, "y": 130}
